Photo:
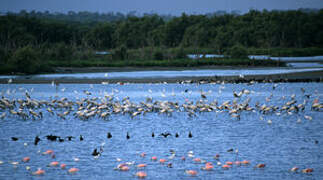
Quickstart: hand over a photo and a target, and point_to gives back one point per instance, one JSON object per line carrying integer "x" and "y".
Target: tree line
{"x": 261, "y": 29}
{"x": 65, "y": 36}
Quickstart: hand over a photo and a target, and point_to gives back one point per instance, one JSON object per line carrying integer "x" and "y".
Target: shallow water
{"x": 166, "y": 74}
{"x": 305, "y": 65}
{"x": 283, "y": 144}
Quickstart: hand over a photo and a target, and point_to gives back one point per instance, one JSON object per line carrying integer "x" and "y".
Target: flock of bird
{"x": 103, "y": 107}
{"x": 91, "y": 107}
{"x": 57, "y": 138}
{"x": 146, "y": 160}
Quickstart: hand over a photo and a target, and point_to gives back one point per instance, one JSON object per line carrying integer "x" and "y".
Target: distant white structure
{"x": 199, "y": 56}
{"x": 102, "y": 53}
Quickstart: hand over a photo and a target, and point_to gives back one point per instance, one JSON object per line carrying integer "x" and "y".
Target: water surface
{"x": 283, "y": 144}
{"x": 167, "y": 74}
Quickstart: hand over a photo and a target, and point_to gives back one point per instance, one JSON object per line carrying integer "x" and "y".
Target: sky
{"x": 174, "y": 7}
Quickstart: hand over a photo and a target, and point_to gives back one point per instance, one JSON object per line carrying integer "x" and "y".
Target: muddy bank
{"x": 316, "y": 76}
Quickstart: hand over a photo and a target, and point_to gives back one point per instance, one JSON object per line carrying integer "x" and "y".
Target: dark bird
{"x": 14, "y": 138}
{"x": 165, "y": 134}
{"x": 230, "y": 150}
{"x": 236, "y": 95}
{"x": 176, "y": 135}
{"x": 40, "y": 114}
{"x": 81, "y": 138}
{"x": 27, "y": 95}
{"x": 96, "y": 152}
{"x": 60, "y": 139}
{"x": 190, "y": 134}
{"x": 69, "y": 138}
{"x": 109, "y": 135}
{"x": 37, "y": 139}
{"x": 128, "y": 137}
{"x": 152, "y": 135}
{"x": 170, "y": 165}
{"x": 52, "y": 137}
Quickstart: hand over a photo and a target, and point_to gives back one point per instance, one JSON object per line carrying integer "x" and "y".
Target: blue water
{"x": 282, "y": 145}
{"x": 166, "y": 74}
{"x": 305, "y": 65}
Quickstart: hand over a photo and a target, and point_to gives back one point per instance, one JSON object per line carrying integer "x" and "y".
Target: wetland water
{"x": 172, "y": 74}
{"x": 291, "y": 139}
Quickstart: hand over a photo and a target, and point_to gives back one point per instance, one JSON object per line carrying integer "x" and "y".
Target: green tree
{"x": 25, "y": 60}
{"x": 237, "y": 51}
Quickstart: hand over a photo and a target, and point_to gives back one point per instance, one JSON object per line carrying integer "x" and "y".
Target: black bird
{"x": 81, "y": 138}
{"x": 190, "y": 135}
{"x": 60, "y": 139}
{"x": 37, "y": 139}
{"x": 152, "y": 135}
{"x": 70, "y": 138}
{"x": 96, "y": 153}
{"x": 170, "y": 165}
{"x": 128, "y": 137}
{"x": 109, "y": 135}
{"x": 52, "y": 137}
{"x": 230, "y": 150}
{"x": 14, "y": 138}
{"x": 165, "y": 134}
{"x": 176, "y": 135}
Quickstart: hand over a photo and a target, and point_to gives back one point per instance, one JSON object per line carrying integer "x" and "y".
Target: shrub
{"x": 25, "y": 60}
{"x": 63, "y": 51}
{"x": 120, "y": 53}
{"x": 237, "y": 51}
{"x": 179, "y": 54}
{"x": 4, "y": 56}
{"x": 158, "y": 55}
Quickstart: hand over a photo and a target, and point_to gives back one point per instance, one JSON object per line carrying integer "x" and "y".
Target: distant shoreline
{"x": 314, "y": 76}
{"x": 73, "y": 70}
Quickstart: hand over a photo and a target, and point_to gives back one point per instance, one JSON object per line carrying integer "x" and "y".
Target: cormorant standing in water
{"x": 153, "y": 135}
{"x": 176, "y": 135}
{"x": 70, "y": 138}
{"x": 60, "y": 139}
{"x": 37, "y": 139}
{"x": 14, "y": 138}
{"x": 96, "y": 153}
{"x": 109, "y": 135}
{"x": 190, "y": 135}
{"x": 81, "y": 138}
{"x": 165, "y": 134}
{"x": 128, "y": 137}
